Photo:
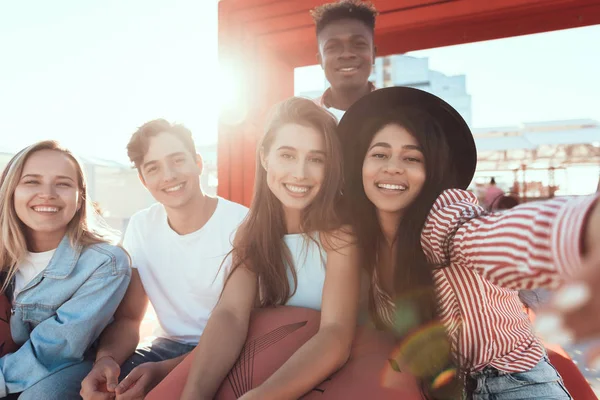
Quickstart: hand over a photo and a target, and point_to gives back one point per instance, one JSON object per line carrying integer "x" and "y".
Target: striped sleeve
{"x": 532, "y": 245}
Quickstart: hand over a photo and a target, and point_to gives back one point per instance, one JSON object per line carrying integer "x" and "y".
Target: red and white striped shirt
{"x": 484, "y": 259}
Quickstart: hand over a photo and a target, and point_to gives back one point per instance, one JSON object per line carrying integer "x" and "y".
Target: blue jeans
{"x": 540, "y": 382}
{"x": 160, "y": 349}
{"x": 62, "y": 385}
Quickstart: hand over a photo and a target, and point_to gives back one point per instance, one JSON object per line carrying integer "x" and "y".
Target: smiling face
{"x": 170, "y": 172}
{"x": 295, "y": 165}
{"x": 47, "y": 195}
{"x": 346, "y": 53}
{"x": 393, "y": 170}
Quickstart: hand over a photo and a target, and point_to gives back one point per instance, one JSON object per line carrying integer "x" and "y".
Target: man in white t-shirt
{"x": 178, "y": 249}
{"x": 345, "y": 35}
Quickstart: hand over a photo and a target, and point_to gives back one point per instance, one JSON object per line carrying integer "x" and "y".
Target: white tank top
{"x": 309, "y": 260}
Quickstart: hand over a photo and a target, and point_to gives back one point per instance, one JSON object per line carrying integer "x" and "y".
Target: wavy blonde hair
{"x": 86, "y": 227}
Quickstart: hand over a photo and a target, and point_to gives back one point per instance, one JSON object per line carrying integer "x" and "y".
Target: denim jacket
{"x": 62, "y": 311}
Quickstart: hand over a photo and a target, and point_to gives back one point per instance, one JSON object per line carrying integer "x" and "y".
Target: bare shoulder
{"x": 338, "y": 239}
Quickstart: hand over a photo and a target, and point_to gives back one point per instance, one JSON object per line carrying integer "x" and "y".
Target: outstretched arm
{"x": 533, "y": 245}
{"x": 570, "y": 314}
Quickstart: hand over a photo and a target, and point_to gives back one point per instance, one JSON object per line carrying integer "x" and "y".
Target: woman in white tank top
{"x": 290, "y": 250}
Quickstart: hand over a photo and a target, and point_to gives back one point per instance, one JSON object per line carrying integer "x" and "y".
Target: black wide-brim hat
{"x": 382, "y": 102}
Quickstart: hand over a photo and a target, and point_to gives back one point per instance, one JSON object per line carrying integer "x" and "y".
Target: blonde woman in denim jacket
{"x": 63, "y": 278}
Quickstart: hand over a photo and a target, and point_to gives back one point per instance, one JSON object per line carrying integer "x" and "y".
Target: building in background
{"x": 402, "y": 70}
{"x": 533, "y": 160}
{"x": 540, "y": 159}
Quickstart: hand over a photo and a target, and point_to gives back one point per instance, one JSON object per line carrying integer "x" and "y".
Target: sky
{"x": 88, "y": 73}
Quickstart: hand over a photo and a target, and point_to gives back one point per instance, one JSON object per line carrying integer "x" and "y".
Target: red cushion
{"x": 6, "y": 342}
{"x": 275, "y": 334}
{"x": 368, "y": 373}
{"x": 574, "y": 380}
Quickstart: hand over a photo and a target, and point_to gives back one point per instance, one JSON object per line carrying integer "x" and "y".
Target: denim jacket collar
{"x": 60, "y": 267}
{"x": 64, "y": 260}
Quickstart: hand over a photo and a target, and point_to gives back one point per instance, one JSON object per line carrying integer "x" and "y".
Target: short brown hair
{"x": 140, "y": 140}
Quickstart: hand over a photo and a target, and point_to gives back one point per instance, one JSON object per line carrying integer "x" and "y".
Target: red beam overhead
{"x": 463, "y": 20}
{"x": 267, "y": 39}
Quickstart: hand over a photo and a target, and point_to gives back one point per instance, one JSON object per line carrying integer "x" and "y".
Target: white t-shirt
{"x": 336, "y": 112}
{"x": 183, "y": 275}
{"x": 29, "y": 268}
{"x": 309, "y": 261}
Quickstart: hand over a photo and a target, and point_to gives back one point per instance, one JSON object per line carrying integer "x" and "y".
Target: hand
{"x": 570, "y": 316}
{"x": 578, "y": 300}
{"x": 140, "y": 381}
{"x": 101, "y": 382}
{"x": 582, "y": 316}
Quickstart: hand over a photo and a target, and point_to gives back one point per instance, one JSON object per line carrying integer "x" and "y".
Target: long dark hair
{"x": 413, "y": 275}
{"x": 258, "y": 244}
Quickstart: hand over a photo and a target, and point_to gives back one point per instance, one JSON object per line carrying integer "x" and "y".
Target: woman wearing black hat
{"x": 445, "y": 273}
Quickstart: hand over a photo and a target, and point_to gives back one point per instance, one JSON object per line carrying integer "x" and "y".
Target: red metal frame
{"x": 267, "y": 39}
